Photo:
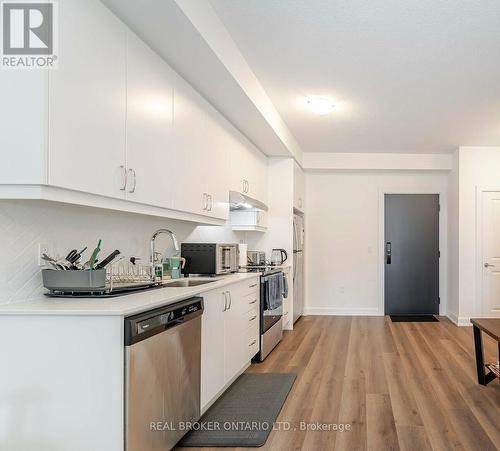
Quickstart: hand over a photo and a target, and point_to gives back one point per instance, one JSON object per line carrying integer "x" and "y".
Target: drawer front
{"x": 251, "y": 301}
{"x": 252, "y": 318}
{"x": 286, "y": 319}
{"x": 252, "y": 342}
{"x": 251, "y": 287}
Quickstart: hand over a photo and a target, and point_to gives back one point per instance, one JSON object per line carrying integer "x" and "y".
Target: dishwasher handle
{"x": 147, "y": 324}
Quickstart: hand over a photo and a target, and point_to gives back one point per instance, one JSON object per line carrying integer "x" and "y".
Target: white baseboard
{"x": 460, "y": 321}
{"x": 342, "y": 311}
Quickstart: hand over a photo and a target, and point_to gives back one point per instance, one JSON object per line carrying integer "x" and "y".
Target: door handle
{"x": 487, "y": 265}
{"x": 125, "y": 172}
{"x": 132, "y": 172}
{"x": 388, "y": 252}
{"x": 224, "y": 294}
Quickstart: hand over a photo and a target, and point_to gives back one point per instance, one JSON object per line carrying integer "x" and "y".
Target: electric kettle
{"x": 278, "y": 257}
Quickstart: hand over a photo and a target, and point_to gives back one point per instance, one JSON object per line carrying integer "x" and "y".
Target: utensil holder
{"x": 55, "y": 280}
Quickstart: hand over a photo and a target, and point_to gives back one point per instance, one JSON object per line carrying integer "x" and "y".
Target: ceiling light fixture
{"x": 320, "y": 105}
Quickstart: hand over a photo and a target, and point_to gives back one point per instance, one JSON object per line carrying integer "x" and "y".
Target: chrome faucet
{"x": 153, "y": 253}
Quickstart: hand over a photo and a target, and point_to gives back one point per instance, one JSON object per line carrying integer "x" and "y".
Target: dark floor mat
{"x": 414, "y": 319}
{"x": 244, "y": 415}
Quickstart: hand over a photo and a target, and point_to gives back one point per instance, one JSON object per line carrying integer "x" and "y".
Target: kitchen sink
{"x": 187, "y": 283}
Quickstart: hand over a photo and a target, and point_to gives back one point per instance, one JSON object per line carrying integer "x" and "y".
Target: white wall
{"x": 478, "y": 167}
{"x": 453, "y": 240}
{"x": 25, "y": 224}
{"x": 376, "y": 161}
{"x": 344, "y": 243}
{"x": 280, "y": 203}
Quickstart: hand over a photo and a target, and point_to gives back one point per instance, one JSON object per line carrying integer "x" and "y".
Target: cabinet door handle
{"x": 210, "y": 202}
{"x": 224, "y": 298}
{"x": 253, "y": 302}
{"x": 285, "y": 314}
{"x": 252, "y": 318}
{"x": 204, "y": 202}
{"x": 230, "y": 300}
{"x": 124, "y": 186}
{"x": 132, "y": 172}
{"x": 253, "y": 342}
{"x": 252, "y": 286}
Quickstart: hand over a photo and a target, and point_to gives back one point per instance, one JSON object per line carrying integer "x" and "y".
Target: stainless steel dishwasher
{"x": 162, "y": 374}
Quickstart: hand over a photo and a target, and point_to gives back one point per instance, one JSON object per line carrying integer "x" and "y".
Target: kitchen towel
{"x": 274, "y": 287}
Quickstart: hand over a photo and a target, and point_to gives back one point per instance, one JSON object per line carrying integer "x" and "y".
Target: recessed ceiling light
{"x": 320, "y": 105}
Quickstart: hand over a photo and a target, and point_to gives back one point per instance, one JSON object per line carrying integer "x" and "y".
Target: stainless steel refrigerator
{"x": 298, "y": 266}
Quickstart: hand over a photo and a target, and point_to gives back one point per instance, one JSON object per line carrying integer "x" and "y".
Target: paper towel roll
{"x": 242, "y": 252}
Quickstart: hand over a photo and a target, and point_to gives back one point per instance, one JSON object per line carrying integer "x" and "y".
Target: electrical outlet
{"x": 43, "y": 248}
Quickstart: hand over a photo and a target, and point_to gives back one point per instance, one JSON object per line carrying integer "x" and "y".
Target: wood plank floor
{"x": 408, "y": 386}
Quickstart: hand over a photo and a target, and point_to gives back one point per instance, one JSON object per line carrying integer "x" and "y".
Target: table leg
{"x": 483, "y": 378}
{"x": 478, "y": 344}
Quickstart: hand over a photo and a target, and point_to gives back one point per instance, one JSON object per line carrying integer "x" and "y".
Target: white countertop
{"x": 124, "y": 305}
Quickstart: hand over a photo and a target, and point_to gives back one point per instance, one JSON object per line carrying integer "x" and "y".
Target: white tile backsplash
{"x": 25, "y": 224}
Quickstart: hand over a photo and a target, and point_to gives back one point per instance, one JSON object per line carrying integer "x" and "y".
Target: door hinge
{"x": 439, "y": 300}
{"x": 439, "y": 207}
{"x": 439, "y": 254}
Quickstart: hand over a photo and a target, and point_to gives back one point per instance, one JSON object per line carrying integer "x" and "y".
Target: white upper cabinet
{"x": 23, "y": 126}
{"x": 114, "y": 126}
{"x": 87, "y": 101}
{"x": 298, "y": 187}
{"x": 190, "y": 156}
{"x": 217, "y": 170}
{"x": 150, "y": 146}
{"x": 202, "y": 181}
{"x": 248, "y": 169}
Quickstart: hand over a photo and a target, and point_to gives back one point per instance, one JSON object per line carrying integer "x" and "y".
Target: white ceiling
{"x": 408, "y": 75}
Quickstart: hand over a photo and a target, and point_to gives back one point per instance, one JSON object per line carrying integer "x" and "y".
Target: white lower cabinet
{"x": 212, "y": 345}
{"x": 229, "y": 336}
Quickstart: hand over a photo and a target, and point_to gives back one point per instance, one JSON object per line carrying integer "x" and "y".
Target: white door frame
{"x": 443, "y": 242}
{"x": 478, "y": 302}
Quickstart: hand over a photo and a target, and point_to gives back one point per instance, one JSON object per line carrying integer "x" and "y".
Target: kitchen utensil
{"x": 255, "y": 258}
{"x": 54, "y": 263}
{"x": 172, "y": 266}
{"x": 74, "y": 255}
{"x": 278, "y": 257}
{"x": 93, "y": 258}
{"x": 108, "y": 259}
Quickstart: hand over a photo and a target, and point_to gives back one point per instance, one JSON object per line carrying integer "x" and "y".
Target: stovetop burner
{"x": 263, "y": 269}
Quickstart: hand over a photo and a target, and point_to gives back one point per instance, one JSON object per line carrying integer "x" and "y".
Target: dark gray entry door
{"x": 411, "y": 254}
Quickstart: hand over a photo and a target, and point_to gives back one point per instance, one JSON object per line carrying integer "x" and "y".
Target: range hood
{"x": 239, "y": 201}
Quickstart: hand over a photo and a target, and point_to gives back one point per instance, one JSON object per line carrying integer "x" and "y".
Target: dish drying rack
{"x": 120, "y": 277}
{"x": 124, "y": 274}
